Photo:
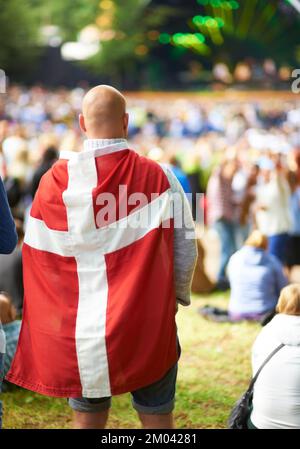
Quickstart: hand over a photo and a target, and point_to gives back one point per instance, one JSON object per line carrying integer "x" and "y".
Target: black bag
{"x": 241, "y": 411}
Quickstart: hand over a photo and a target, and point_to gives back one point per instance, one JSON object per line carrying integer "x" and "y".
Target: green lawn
{"x": 214, "y": 370}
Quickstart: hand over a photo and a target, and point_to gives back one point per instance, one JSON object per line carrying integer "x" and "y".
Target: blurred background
{"x": 151, "y": 44}
{"x": 213, "y": 90}
{"x": 207, "y": 82}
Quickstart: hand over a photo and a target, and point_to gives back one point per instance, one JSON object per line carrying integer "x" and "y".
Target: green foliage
{"x": 232, "y": 30}
{"x": 69, "y": 15}
{"x": 18, "y": 34}
{"x": 131, "y": 21}
{"x": 249, "y": 28}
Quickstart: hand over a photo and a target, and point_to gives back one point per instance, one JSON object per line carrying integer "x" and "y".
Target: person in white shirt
{"x": 276, "y": 397}
{"x": 273, "y": 217}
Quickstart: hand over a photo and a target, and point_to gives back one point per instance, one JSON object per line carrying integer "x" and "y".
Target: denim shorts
{"x": 1, "y": 379}
{"x": 155, "y": 399}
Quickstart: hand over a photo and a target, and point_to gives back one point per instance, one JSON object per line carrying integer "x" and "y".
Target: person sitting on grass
{"x": 256, "y": 279}
{"x": 11, "y": 271}
{"x": 11, "y": 327}
{"x": 276, "y": 396}
{"x": 8, "y": 242}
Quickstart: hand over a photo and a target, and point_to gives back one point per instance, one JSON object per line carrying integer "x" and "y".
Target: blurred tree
{"x": 69, "y": 15}
{"x": 128, "y": 31}
{"x": 241, "y": 29}
{"x": 152, "y": 42}
{"x": 18, "y": 35}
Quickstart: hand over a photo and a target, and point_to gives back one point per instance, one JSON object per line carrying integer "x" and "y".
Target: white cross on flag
{"x": 99, "y": 306}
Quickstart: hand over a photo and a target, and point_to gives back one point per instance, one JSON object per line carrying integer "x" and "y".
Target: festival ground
{"x": 205, "y": 392}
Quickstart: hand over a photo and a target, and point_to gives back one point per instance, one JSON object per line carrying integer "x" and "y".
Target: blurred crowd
{"x": 243, "y": 153}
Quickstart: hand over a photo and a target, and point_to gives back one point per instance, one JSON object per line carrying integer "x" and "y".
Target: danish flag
{"x": 99, "y": 305}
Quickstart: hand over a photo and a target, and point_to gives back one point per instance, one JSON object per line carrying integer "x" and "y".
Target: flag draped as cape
{"x": 99, "y": 306}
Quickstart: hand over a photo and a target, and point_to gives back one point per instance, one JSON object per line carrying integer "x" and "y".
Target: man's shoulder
{"x": 58, "y": 171}
{"x": 152, "y": 168}
{"x": 147, "y": 162}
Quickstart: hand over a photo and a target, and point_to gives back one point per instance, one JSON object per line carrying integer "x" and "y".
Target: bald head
{"x": 104, "y": 114}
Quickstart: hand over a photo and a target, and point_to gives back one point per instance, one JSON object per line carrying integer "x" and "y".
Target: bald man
{"x": 104, "y": 270}
{"x": 104, "y": 113}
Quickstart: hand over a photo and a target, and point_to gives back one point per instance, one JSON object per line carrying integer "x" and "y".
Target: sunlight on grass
{"x": 214, "y": 369}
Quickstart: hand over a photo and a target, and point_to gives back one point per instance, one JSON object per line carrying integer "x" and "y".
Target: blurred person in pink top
{"x": 221, "y": 213}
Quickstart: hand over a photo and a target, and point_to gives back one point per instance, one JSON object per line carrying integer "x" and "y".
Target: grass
{"x": 214, "y": 370}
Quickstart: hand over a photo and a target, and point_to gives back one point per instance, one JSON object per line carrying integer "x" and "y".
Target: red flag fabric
{"x": 99, "y": 305}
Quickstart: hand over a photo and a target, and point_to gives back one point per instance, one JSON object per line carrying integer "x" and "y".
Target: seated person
{"x": 11, "y": 274}
{"x": 276, "y": 396}
{"x": 2, "y": 354}
{"x": 11, "y": 328}
{"x": 256, "y": 279}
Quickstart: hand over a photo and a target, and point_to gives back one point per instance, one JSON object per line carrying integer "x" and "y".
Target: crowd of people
{"x": 242, "y": 155}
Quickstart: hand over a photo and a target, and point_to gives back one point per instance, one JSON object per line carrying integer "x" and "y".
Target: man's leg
{"x": 155, "y": 402}
{"x": 157, "y": 421}
{"x": 90, "y": 420}
{"x": 90, "y": 413}
{"x": 278, "y": 246}
{"x": 1, "y": 377}
{"x": 225, "y": 233}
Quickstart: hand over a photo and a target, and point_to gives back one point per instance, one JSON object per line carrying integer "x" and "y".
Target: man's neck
{"x": 96, "y": 143}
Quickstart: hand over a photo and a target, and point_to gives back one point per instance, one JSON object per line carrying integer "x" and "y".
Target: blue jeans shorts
{"x": 1, "y": 379}
{"x": 155, "y": 399}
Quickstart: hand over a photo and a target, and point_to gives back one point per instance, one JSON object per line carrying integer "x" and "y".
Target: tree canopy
{"x": 161, "y": 37}
{"x": 18, "y": 34}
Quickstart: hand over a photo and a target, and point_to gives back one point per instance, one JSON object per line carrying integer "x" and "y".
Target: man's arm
{"x": 185, "y": 247}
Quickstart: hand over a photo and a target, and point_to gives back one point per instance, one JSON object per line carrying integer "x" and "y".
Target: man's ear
{"x": 81, "y": 123}
{"x": 126, "y": 121}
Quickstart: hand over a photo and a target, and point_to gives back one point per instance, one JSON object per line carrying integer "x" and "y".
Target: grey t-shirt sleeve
{"x": 185, "y": 247}
{"x": 2, "y": 342}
